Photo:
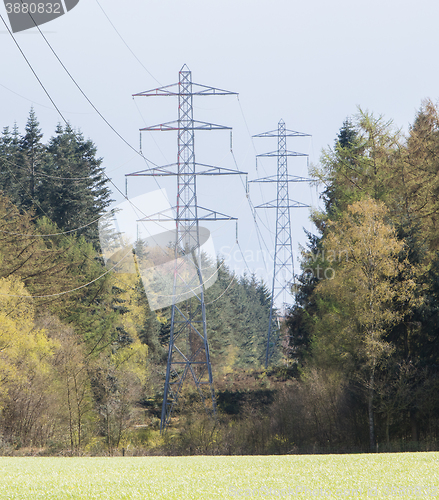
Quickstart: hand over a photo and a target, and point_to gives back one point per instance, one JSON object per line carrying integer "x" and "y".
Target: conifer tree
{"x": 31, "y": 160}
{"x": 75, "y": 192}
{"x": 10, "y": 157}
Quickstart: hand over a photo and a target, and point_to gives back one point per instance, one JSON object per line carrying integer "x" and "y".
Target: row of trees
{"x": 62, "y": 180}
{"x": 366, "y": 315}
{"x": 82, "y": 357}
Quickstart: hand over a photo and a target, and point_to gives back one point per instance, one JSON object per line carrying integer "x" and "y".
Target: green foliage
{"x": 83, "y": 361}
{"x": 103, "y": 350}
{"x": 238, "y": 311}
{"x": 9, "y": 159}
{"x": 74, "y": 193}
{"x": 63, "y": 180}
{"x": 373, "y": 319}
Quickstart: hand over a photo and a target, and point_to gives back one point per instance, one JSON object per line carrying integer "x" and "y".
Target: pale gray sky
{"x": 310, "y": 63}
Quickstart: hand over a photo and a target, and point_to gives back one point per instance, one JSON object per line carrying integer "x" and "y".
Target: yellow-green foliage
{"x": 24, "y": 350}
{"x": 136, "y": 315}
{"x": 362, "y": 289}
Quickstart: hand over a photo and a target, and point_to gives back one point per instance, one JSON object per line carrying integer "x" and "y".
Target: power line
{"x": 254, "y": 148}
{"x": 127, "y": 46}
{"x": 53, "y": 102}
{"x": 253, "y": 212}
{"x": 31, "y": 68}
{"x": 48, "y": 176}
{"x": 92, "y": 105}
{"x": 39, "y": 104}
{"x": 225, "y": 291}
{"x": 69, "y": 291}
{"x": 76, "y": 84}
{"x": 50, "y": 235}
{"x": 36, "y": 202}
{"x": 151, "y": 135}
{"x": 82, "y": 92}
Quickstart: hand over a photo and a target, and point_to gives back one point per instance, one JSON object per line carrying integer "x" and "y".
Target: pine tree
{"x": 32, "y": 156}
{"x": 75, "y": 192}
{"x": 10, "y": 157}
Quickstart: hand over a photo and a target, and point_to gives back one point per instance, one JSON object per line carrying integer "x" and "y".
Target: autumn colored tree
{"x": 360, "y": 303}
{"x": 26, "y": 374}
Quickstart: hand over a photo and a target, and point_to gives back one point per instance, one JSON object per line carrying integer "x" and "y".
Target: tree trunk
{"x": 387, "y": 428}
{"x": 69, "y": 405}
{"x": 414, "y": 426}
{"x": 78, "y": 409}
{"x": 370, "y": 411}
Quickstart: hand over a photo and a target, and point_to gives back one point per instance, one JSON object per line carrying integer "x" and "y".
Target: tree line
{"x": 365, "y": 321}
{"x": 82, "y": 357}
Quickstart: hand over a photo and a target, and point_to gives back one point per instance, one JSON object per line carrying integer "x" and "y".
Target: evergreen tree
{"x": 299, "y": 317}
{"x": 10, "y": 157}
{"x": 149, "y": 328}
{"x": 237, "y": 321}
{"x": 31, "y": 161}
{"x": 75, "y": 192}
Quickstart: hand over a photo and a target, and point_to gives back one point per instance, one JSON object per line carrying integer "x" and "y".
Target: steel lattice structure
{"x": 188, "y": 354}
{"x": 283, "y": 269}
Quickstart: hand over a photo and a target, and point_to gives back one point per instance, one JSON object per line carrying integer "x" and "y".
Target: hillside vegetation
{"x": 83, "y": 358}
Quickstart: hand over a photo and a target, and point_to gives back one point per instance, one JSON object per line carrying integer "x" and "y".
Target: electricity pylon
{"x": 283, "y": 268}
{"x": 188, "y": 353}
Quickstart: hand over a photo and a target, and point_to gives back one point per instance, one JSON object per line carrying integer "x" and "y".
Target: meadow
{"x": 396, "y": 475}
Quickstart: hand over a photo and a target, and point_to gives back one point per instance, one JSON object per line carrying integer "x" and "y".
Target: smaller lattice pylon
{"x": 283, "y": 265}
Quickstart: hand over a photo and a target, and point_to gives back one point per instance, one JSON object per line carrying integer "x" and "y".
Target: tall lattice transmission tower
{"x": 283, "y": 268}
{"x": 188, "y": 354}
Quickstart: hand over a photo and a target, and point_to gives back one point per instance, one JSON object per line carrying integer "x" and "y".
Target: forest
{"x": 83, "y": 358}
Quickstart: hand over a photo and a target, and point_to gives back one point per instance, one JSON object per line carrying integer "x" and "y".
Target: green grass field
{"x": 399, "y": 475}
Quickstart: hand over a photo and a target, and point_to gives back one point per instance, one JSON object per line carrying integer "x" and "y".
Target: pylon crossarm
{"x": 288, "y": 133}
{"x": 282, "y": 132}
{"x": 175, "y": 125}
{"x": 174, "y": 90}
{"x": 160, "y": 91}
{"x": 288, "y": 204}
{"x": 163, "y": 216}
{"x": 209, "y": 215}
{"x": 198, "y": 89}
{"x": 172, "y": 169}
{"x": 287, "y": 178}
{"x": 277, "y": 154}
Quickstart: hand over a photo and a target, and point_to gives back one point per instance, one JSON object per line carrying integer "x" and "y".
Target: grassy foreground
{"x": 399, "y": 475}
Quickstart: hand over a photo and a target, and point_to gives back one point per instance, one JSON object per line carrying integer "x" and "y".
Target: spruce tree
{"x": 75, "y": 192}
{"x": 10, "y": 168}
{"x": 31, "y": 160}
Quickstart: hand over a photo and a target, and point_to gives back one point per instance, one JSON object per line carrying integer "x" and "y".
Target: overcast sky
{"x": 309, "y": 63}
